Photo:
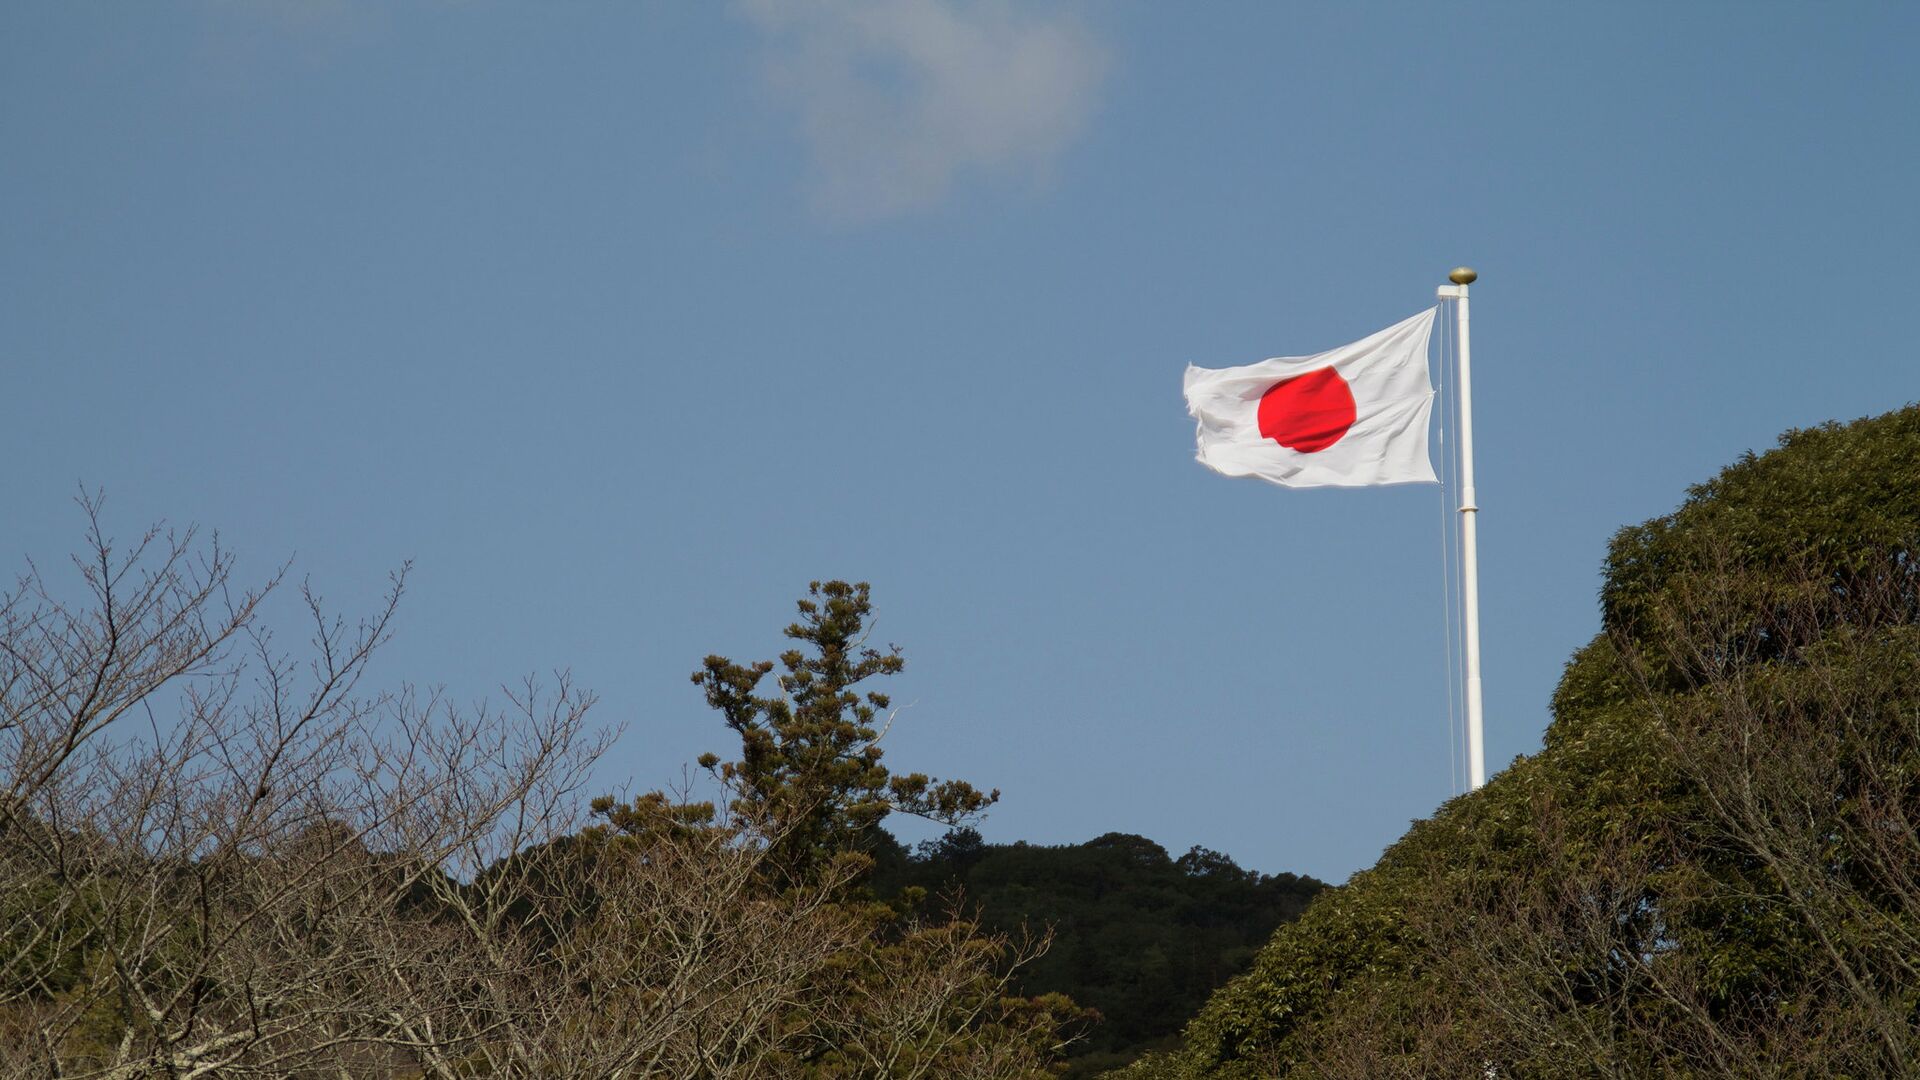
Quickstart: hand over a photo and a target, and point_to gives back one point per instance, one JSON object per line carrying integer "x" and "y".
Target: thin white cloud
{"x": 897, "y": 99}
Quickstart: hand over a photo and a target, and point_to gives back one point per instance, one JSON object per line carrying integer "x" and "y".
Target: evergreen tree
{"x": 1140, "y": 937}
{"x": 1713, "y": 866}
{"x": 810, "y": 756}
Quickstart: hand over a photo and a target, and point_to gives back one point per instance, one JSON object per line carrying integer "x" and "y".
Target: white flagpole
{"x": 1469, "y": 548}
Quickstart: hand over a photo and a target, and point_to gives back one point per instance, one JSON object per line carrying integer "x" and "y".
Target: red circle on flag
{"x": 1308, "y": 412}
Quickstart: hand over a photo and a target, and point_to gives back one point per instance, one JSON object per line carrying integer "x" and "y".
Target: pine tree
{"x": 810, "y": 770}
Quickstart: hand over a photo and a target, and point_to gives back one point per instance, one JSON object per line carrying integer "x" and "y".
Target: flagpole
{"x": 1469, "y": 538}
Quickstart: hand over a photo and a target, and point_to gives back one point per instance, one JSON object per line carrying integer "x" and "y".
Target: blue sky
{"x": 624, "y": 321}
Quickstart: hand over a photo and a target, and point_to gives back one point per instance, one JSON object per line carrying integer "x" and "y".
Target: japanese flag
{"x": 1352, "y": 416}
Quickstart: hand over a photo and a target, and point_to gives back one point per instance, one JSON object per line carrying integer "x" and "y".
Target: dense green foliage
{"x": 1712, "y": 867}
{"x": 1139, "y": 936}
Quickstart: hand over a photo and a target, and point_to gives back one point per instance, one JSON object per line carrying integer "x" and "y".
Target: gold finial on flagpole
{"x": 1463, "y": 275}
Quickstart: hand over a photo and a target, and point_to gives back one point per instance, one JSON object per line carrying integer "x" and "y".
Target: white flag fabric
{"x": 1348, "y": 417}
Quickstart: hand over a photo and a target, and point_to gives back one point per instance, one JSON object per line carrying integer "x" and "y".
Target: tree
{"x": 810, "y": 756}
{"x": 218, "y": 859}
{"x": 1709, "y": 869}
{"x": 909, "y": 991}
{"x": 1142, "y": 938}
{"x": 213, "y": 856}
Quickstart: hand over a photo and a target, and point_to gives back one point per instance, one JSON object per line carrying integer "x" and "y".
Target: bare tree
{"x": 220, "y": 859}
{"x": 210, "y": 847}
{"x": 679, "y": 948}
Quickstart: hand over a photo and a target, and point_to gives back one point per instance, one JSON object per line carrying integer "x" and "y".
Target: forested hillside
{"x": 1712, "y": 868}
{"x": 1139, "y": 936}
